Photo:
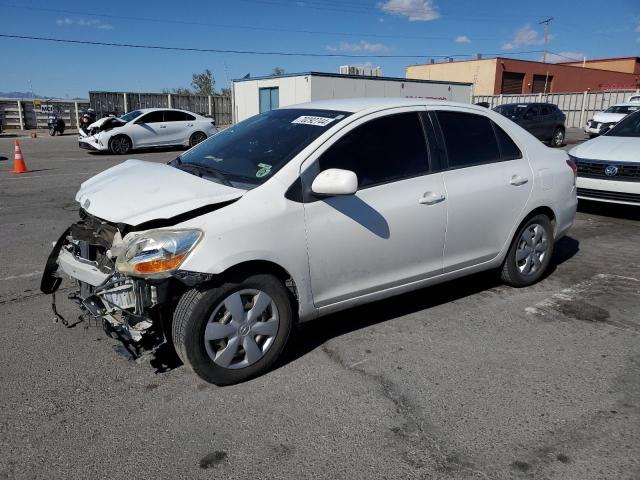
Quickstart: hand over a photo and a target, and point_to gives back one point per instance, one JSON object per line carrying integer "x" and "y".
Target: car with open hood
{"x": 146, "y": 128}
{"x": 609, "y": 165}
{"x": 303, "y": 211}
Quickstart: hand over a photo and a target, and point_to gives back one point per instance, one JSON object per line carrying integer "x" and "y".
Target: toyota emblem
{"x": 611, "y": 171}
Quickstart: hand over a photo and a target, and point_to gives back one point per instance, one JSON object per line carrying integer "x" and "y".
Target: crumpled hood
{"x": 608, "y": 117}
{"x": 615, "y": 149}
{"x": 97, "y": 123}
{"x": 137, "y": 191}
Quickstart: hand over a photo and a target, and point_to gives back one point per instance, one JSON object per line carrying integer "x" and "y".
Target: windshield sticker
{"x": 310, "y": 120}
{"x": 264, "y": 170}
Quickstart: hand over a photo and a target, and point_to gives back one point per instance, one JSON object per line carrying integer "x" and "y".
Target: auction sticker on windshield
{"x": 311, "y": 120}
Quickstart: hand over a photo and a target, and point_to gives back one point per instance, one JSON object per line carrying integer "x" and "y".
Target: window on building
{"x": 269, "y": 99}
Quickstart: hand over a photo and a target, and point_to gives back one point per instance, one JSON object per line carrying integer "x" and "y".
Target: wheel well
{"x": 542, "y": 211}
{"x": 120, "y": 135}
{"x": 263, "y": 266}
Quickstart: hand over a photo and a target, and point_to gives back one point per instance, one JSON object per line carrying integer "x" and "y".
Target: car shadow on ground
{"x": 313, "y": 334}
{"x": 309, "y": 336}
{"x": 614, "y": 210}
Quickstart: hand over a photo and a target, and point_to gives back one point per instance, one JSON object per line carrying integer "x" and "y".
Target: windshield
{"x": 627, "y": 127}
{"x": 249, "y": 153}
{"x": 127, "y": 117}
{"x": 622, "y": 109}
{"x": 511, "y": 111}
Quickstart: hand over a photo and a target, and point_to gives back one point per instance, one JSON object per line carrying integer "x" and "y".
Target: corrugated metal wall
{"x": 578, "y": 107}
{"x": 217, "y": 106}
{"x": 11, "y": 110}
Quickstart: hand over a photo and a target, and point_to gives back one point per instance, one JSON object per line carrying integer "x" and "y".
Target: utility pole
{"x": 546, "y": 36}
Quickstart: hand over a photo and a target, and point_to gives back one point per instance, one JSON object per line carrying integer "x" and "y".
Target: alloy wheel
{"x": 533, "y": 247}
{"x": 558, "y": 138}
{"x": 241, "y": 329}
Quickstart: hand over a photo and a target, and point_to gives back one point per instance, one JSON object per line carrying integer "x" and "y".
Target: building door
{"x": 541, "y": 83}
{"x": 269, "y": 99}
{"x": 512, "y": 83}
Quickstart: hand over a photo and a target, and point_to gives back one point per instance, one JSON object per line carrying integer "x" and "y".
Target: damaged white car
{"x": 145, "y": 128}
{"x": 304, "y": 211}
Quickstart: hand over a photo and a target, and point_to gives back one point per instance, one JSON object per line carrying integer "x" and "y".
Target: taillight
{"x": 573, "y": 167}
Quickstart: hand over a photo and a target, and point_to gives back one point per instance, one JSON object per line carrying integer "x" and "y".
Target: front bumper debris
{"x": 127, "y": 308}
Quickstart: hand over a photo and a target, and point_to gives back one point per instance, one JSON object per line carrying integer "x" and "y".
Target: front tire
{"x": 235, "y": 331}
{"x": 530, "y": 253}
{"x": 120, "y": 145}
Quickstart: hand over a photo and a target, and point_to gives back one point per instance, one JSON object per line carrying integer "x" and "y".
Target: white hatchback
{"x": 147, "y": 127}
{"x": 300, "y": 212}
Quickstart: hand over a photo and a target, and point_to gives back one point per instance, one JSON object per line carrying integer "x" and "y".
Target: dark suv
{"x": 542, "y": 120}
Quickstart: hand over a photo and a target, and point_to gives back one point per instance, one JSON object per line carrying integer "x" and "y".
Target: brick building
{"x": 493, "y": 76}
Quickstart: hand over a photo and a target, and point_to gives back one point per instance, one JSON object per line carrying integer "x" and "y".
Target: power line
{"x": 220, "y": 50}
{"x": 244, "y": 52}
{"x": 233, "y": 26}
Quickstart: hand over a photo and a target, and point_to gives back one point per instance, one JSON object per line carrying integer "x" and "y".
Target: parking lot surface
{"x": 469, "y": 379}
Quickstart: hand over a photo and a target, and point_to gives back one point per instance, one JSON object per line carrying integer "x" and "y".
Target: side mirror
{"x": 335, "y": 181}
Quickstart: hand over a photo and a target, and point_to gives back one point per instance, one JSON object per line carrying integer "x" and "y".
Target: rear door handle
{"x": 431, "y": 198}
{"x": 517, "y": 180}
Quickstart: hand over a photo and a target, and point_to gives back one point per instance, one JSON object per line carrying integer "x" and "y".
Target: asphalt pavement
{"x": 469, "y": 379}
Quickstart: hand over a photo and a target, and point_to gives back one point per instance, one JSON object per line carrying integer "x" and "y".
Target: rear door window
{"x": 174, "y": 116}
{"x": 508, "y": 149}
{"x": 152, "y": 117}
{"x": 469, "y": 139}
{"x": 383, "y": 150}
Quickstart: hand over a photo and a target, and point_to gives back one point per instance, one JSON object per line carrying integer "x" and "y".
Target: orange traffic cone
{"x": 18, "y": 163}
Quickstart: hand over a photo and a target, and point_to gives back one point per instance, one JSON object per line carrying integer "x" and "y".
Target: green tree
{"x": 203, "y": 83}
{"x": 277, "y": 71}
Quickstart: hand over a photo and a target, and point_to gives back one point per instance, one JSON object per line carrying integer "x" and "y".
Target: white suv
{"x": 300, "y": 212}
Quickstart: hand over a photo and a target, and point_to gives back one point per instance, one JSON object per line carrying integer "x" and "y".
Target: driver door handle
{"x": 517, "y": 180}
{"x": 431, "y": 198}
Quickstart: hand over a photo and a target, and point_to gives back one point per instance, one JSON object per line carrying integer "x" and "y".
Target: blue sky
{"x": 356, "y": 27}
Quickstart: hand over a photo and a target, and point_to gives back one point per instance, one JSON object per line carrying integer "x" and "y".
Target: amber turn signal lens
{"x": 159, "y": 265}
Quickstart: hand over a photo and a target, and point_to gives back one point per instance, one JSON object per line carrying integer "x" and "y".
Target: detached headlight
{"x": 157, "y": 253}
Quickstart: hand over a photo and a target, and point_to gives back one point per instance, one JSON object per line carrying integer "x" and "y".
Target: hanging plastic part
{"x": 57, "y": 317}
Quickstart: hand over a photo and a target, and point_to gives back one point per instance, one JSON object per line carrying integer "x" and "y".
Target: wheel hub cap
{"x": 533, "y": 247}
{"x": 241, "y": 329}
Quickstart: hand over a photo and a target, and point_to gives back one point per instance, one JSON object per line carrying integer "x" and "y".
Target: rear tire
{"x": 196, "y": 138}
{"x": 530, "y": 253}
{"x": 557, "y": 139}
{"x": 120, "y": 145}
{"x": 216, "y": 334}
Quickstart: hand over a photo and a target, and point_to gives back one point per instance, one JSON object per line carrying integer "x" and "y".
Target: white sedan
{"x": 609, "y": 166}
{"x": 147, "y": 127}
{"x": 307, "y": 210}
{"x": 603, "y": 121}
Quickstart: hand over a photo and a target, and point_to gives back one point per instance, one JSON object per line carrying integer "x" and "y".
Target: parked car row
{"x": 145, "y": 128}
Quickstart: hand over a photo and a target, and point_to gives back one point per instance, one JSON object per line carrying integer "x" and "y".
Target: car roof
{"x": 146, "y": 110}
{"x": 358, "y": 104}
{"x": 527, "y": 103}
{"x": 624, "y": 104}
